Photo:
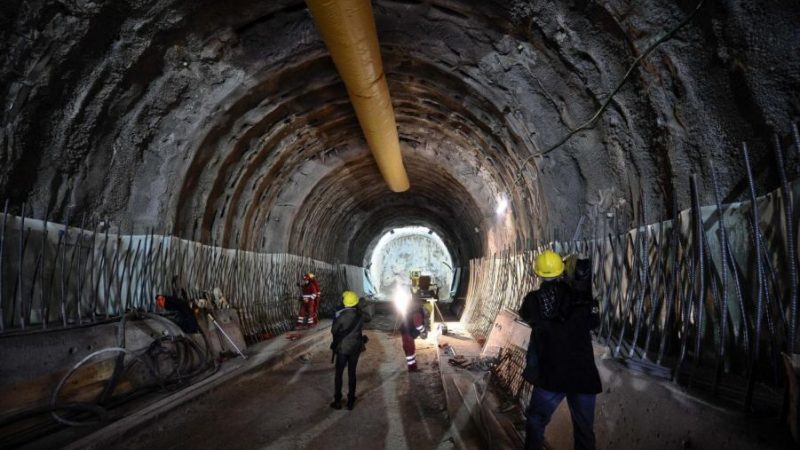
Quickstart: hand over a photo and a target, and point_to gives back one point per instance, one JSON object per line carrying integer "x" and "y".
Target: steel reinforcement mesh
{"x": 707, "y": 299}
{"x": 55, "y": 276}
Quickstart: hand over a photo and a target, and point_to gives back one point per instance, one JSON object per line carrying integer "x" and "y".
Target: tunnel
{"x": 172, "y": 170}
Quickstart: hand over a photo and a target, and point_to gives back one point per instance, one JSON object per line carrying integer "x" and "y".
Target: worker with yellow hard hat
{"x": 560, "y": 358}
{"x": 348, "y": 343}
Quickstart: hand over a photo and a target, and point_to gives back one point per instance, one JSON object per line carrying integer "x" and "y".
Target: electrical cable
{"x": 589, "y": 123}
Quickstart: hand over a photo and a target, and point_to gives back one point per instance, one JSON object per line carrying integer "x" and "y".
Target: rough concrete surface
{"x": 227, "y": 122}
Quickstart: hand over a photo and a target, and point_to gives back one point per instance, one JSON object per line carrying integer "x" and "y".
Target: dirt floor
{"x": 288, "y": 408}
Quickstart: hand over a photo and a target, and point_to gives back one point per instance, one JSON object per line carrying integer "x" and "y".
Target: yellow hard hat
{"x": 548, "y": 264}
{"x": 349, "y": 299}
{"x": 309, "y": 276}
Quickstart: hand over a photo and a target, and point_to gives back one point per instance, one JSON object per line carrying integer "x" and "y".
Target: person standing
{"x": 412, "y": 326}
{"x": 561, "y": 319}
{"x": 309, "y": 302}
{"x": 347, "y": 345}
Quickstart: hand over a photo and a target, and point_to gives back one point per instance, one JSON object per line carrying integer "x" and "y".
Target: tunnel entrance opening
{"x": 400, "y": 251}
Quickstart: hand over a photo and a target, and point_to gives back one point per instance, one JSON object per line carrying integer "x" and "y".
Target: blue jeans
{"x": 544, "y": 403}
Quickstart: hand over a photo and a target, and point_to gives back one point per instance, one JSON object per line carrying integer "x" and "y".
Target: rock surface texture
{"x": 226, "y": 122}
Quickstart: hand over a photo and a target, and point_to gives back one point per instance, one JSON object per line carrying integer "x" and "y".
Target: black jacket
{"x": 346, "y": 330}
{"x": 561, "y": 319}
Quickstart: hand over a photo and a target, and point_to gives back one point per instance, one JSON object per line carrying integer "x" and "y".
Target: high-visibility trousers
{"x": 306, "y": 309}
{"x": 314, "y": 319}
{"x": 410, "y": 350}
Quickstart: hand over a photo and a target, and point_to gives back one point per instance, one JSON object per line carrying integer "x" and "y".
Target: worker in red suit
{"x": 412, "y": 326}
{"x": 309, "y": 302}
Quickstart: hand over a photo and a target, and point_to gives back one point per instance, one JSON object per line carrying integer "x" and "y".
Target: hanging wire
{"x": 589, "y": 123}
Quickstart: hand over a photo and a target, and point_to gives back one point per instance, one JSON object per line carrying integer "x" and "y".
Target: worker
{"x": 309, "y": 302}
{"x": 348, "y": 343}
{"x": 412, "y": 326}
{"x": 561, "y": 319}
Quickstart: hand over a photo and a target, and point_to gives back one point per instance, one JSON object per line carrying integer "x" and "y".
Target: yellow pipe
{"x": 348, "y": 29}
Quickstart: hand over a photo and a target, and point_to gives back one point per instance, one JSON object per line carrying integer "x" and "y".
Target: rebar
{"x": 701, "y": 271}
{"x": 658, "y": 282}
{"x": 791, "y": 248}
{"x": 79, "y": 268}
{"x": 671, "y": 290}
{"x": 753, "y": 372}
{"x": 723, "y": 257}
{"x": 757, "y": 242}
{"x": 626, "y": 302}
{"x": 2, "y": 271}
{"x": 63, "y": 252}
{"x": 17, "y": 297}
{"x": 642, "y": 273}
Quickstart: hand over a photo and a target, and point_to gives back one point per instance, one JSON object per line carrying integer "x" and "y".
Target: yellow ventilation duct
{"x": 348, "y": 29}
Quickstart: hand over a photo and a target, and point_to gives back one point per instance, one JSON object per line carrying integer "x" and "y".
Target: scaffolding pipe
{"x": 348, "y": 29}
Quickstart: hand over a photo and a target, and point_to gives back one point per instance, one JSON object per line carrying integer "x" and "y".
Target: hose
{"x": 54, "y": 396}
{"x": 183, "y": 353}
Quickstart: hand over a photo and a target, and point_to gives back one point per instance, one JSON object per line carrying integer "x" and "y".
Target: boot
{"x": 351, "y": 401}
{"x": 413, "y": 368}
{"x": 337, "y": 403}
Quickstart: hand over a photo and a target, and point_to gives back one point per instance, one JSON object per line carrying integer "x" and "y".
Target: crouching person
{"x": 347, "y": 345}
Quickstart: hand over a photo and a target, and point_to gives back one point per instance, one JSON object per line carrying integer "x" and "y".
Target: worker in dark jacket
{"x": 347, "y": 345}
{"x": 561, "y": 319}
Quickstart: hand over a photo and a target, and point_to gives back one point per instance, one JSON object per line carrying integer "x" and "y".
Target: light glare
{"x": 401, "y": 298}
{"x": 502, "y": 205}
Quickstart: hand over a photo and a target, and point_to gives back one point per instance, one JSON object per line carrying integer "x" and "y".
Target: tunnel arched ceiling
{"x": 226, "y": 122}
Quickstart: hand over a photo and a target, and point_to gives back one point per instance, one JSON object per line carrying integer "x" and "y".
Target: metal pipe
{"x": 348, "y": 29}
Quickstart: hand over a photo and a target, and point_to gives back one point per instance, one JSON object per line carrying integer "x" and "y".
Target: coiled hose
{"x": 171, "y": 361}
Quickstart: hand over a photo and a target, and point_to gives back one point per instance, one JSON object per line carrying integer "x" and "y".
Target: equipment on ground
{"x": 230, "y": 341}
